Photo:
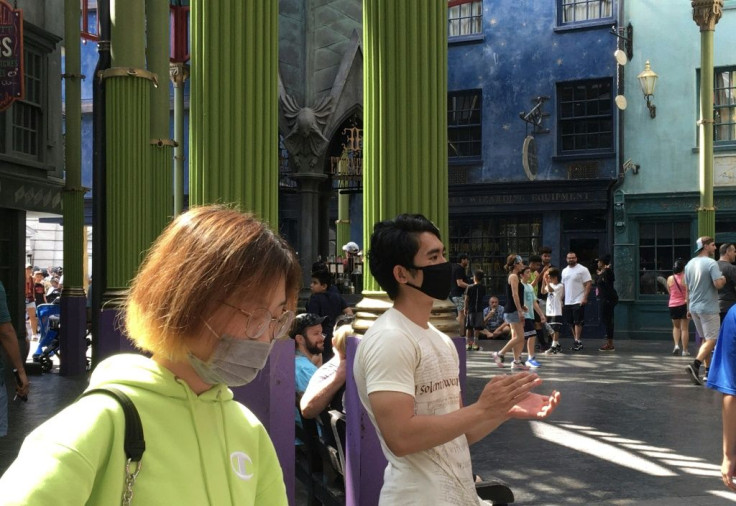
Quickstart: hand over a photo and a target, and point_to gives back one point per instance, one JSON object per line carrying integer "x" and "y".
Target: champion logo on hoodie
{"x": 241, "y": 463}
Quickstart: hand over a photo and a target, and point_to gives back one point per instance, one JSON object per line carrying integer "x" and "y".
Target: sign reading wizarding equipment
{"x": 11, "y": 55}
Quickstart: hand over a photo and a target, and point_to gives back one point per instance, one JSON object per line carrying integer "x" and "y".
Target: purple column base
{"x": 72, "y": 344}
{"x": 364, "y": 458}
{"x": 462, "y": 355}
{"x": 271, "y": 397}
{"x": 111, "y": 340}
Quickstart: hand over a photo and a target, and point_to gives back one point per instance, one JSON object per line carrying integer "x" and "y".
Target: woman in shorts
{"x": 678, "y": 308}
{"x": 514, "y": 311}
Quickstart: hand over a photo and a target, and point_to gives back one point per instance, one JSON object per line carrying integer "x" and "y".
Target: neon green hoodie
{"x": 205, "y": 449}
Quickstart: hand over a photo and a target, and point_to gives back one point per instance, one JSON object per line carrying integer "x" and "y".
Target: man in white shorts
{"x": 703, "y": 279}
{"x": 407, "y": 374}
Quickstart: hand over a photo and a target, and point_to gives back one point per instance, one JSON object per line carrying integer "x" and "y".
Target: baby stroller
{"x": 48, "y": 344}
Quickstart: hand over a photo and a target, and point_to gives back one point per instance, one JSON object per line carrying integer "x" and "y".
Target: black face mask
{"x": 437, "y": 280}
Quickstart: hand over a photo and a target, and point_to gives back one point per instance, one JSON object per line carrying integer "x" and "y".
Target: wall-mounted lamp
{"x": 648, "y": 79}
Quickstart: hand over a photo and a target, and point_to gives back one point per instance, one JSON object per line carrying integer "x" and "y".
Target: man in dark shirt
{"x": 326, "y": 302}
{"x": 607, "y": 298}
{"x": 460, "y": 282}
{"x": 727, "y": 294}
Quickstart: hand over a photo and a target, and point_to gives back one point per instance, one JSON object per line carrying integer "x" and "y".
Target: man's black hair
{"x": 545, "y": 249}
{"x": 396, "y": 242}
{"x": 461, "y": 257}
{"x": 554, "y": 272}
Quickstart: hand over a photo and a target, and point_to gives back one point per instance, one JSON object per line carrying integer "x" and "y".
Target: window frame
{"x": 488, "y": 240}
{"x": 473, "y": 19}
{"x": 675, "y": 223}
{"x": 34, "y": 42}
{"x": 457, "y": 126}
{"x": 731, "y": 142}
{"x": 608, "y": 116}
{"x": 585, "y": 23}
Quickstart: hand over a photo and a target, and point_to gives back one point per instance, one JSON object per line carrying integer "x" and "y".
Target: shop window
{"x": 724, "y": 106}
{"x": 660, "y": 244}
{"x": 577, "y": 11}
{"x": 464, "y": 17}
{"x": 22, "y": 126}
{"x": 489, "y": 240}
{"x": 464, "y": 124}
{"x": 585, "y": 117}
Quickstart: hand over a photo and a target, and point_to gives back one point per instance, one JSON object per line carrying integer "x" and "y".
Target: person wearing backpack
{"x": 214, "y": 332}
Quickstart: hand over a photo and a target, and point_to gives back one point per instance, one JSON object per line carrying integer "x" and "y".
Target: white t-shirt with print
{"x": 397, "y": 355}
{"x": 574, "y": 279}
{"x": 554, "y": 299}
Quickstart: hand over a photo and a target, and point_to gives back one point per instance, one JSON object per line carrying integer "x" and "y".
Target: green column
{"x": 130, "y": 229}
{"x": 159, "y": 208}
{"x": 405, "y": 113}
{"x": 234, "y": 105}
{"x": 706, "y": 14}
{"x": 72, "y": 350}
{"x": 73, "y": 192}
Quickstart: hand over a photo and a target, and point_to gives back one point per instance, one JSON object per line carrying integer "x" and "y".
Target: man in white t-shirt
{"x": 577, "y": 281}
{"x": 407, "y": 373}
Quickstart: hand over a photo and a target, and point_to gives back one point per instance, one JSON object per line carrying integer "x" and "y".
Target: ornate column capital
{"x": 178, "y": 73}
{"x": 706, "y": 13}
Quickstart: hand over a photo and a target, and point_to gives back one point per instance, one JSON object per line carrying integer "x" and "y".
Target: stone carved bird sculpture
{"x": 305, "y": 137}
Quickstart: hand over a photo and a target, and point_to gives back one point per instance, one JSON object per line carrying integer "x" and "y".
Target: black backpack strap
{"x": 134, "y": 444}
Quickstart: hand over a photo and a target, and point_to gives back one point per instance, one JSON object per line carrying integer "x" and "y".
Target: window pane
{"x": 585, "y": 120}
{"x": 464, "y": 133}
{"x": 488, "y": 241}
{"x": 464, "y": 17}
{"x": 582, "y": 10}
{"x": 660, "y": 244}
{"x": 724, "y": 105}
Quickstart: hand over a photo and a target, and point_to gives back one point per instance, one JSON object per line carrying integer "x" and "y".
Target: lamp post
{"x": 706, "y": 14}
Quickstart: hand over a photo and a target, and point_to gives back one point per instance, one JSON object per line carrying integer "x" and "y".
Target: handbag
{"x": 134, "y": 443}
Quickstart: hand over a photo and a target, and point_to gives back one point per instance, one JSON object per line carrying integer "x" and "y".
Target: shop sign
{"x": 11, "y": 55}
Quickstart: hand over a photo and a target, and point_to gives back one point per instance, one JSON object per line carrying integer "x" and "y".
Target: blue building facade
{"x": 533, "y": 130}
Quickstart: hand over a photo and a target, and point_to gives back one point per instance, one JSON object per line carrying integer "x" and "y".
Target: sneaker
{"x": 577, "y": 346}
{"x": 475, "y": 347}
{"x": 532, "y": 363}
{"x": 468, "y": 348}
{"x": 705, "y": 376}
{"x": 685, "y": 353}
{"x": 551, "y": 350}
{"x": 693, "y": 375}
{"x": 498, "y": 358}
{"x": 607, "y": 347}
{"x": 676, "y": 351}
{"x": 517, "y": 365}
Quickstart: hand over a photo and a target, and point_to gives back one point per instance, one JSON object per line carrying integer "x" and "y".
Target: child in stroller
{"x": 48, "y": 344}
